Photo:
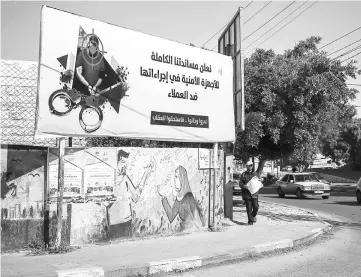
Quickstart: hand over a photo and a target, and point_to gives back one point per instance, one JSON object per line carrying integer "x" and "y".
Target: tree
{"x": 352, "y": 136}
{"x": 303, "y": 153}
{"x": 288, "y": 97}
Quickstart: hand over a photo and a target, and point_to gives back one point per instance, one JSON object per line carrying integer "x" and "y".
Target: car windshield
{"x": 318, "y": 176}
{"x": 306, "y": 178}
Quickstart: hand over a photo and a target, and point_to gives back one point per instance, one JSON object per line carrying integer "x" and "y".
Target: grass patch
{"x": 37, "y": 247}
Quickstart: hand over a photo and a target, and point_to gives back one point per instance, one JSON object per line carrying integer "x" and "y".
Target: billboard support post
{"x": 61, "y": 145}
{"x": 215, "y": 158}
{"x": 209, "y": 194}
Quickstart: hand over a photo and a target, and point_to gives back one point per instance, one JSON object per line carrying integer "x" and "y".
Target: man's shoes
{"x": 255, "y": 219}
{"x": 250, "y": 223}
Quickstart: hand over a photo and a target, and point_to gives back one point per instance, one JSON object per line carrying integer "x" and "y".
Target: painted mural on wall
{"x": 185, "y": 205}
{"x": 157, "y": 191}
{"x": 119, "y": 192}
{"x": 22, "y": 183}
{"x": 22, "y": 192}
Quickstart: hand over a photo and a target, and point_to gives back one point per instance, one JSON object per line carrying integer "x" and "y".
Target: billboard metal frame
{"x": 233, "y": 33}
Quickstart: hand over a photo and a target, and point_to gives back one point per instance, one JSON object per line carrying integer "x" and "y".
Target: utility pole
{"x": 61, "y": 147}
{"x": 242, "y": 66}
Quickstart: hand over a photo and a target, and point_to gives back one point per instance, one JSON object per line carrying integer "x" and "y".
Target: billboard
{"x": 98, "y": 79}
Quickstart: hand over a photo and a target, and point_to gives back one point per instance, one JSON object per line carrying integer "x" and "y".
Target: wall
{"x": 154, "y": 191}
{"x": 22, "y": 186}
{"x": 154, "y": 195}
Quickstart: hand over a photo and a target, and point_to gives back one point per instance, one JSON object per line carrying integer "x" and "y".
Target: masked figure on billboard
{"x": 90, "y": 67}
{"x": 185, "y": 204}
{"x": 120, "y": 212}
{"x": 94, "y": 83}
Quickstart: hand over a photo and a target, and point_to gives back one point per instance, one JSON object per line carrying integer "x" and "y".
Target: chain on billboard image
{"x": 98, "y": 79}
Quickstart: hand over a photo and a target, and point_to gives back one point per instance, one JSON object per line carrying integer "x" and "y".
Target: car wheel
{"x": 280, "y": 193}
{"x": 325, "y": 197}
{"x": 358, "y": 196}
{"x": 299, "y": 193}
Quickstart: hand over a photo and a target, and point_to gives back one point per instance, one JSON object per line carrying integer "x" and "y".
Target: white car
{"x": 358, "y": 191}
{"x": 302, "y": 185}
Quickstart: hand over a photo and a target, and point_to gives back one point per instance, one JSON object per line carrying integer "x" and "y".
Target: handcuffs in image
{"x": 72, "y": 99}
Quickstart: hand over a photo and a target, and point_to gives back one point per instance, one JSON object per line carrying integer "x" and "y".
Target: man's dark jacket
{"x": 245, "y": 178}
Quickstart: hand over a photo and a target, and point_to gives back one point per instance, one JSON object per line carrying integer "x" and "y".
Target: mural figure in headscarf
{"x": 119, "y": 213}
{"x": 185, "y": 204}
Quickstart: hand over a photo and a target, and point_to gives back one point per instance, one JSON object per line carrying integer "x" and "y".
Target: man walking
{"x": 251, "y": 200}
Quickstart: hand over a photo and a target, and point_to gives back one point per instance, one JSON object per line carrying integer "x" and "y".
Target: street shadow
{"x": 291, "y": 197}
{"x": 346, "y": 203}
{"x": 289, "y": 217}
{"x": 276, "y": 216}
{"x": 352, "y": 225}
{"x": 343, "y": 194}
{"x": 239, "y": 223}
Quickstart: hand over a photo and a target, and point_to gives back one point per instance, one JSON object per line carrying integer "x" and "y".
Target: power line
{"x": 343, "y": 48}
{"x": 223, "y": 28}
{"x": 257, "y": 12}
{"x": 359, "y": 85}
{"x": 339, "y": 38}
{"x": 286, "y": 24}
{"x": 215, "y": 35}
{"x": 352, "y": 57}
{"x": 268, "y": 21}
{"x": 248, "y": 4}
{"x": 348, "y": 52}
{"x": 276, "y": 25}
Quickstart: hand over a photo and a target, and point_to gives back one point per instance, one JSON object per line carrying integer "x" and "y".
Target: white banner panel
{"x": 97, "y": 79}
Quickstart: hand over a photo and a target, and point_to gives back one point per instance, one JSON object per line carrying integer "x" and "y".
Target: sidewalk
{"x": 277, "y": 227}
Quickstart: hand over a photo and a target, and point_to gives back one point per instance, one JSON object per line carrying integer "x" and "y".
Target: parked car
{"x": 358, "y": 191}
{"x": 319, "y": 177}
{"x": 287, "y": 168}
{"x": 236, "y": 188}
{"x": 302, "y": 185}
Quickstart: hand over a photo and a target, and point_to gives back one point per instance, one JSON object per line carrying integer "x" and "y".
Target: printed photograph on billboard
{"x": 98, "y": 79}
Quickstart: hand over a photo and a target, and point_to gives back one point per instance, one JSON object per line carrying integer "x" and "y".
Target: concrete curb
{"x": 159, "y": 268}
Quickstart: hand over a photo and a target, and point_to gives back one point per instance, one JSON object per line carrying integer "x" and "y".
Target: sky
{"x": 196, "y": 22}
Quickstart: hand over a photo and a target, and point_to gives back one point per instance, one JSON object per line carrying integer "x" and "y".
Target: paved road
{"x": 337, "y": 254}
{"x": 343, "y": 206}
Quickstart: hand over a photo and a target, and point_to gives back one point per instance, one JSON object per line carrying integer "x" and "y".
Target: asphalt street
{"x": 335, "y": 254}
{"x": 341, "y": 206}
